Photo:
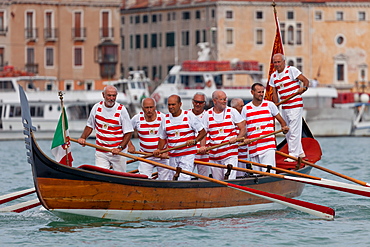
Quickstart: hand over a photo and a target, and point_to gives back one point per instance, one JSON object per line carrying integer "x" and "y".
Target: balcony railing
{"x": 31, "y": 33}
{"x": 32, "y": 68}
{"x": 106, "y": 33}
{"x": 50, "y": 34}
{"x": 3, "y": 31}
{"x": 79, "y": 34}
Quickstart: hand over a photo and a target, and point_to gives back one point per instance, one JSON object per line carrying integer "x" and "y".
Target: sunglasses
{"x": 198, "y": 102}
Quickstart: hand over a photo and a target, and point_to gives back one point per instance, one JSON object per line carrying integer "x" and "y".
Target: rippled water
{"x": 282, "y": 227}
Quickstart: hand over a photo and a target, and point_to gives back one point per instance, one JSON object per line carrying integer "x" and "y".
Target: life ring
{"x": 157, "y": 97}
{"x": 209, "y": 83}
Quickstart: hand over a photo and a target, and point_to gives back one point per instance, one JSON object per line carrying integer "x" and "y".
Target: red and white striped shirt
{"x": 177, "y": 130}
{"x": 260, "y": 121}
{"x": 221, "y": 131}
{"x": 110, "y": 124}
{"x": 147, "y": 131}
{"x": 286, "y": 85}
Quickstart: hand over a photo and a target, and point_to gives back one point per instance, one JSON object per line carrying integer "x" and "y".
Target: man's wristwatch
{"x": 120, "y": 147}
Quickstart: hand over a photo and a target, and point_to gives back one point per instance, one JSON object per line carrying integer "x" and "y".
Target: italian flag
{"x": 61, "y": 144}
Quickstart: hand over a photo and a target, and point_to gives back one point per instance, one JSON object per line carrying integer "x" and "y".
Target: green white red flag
{"x": 61, "y": 145}
{"x": 277, "y": 48}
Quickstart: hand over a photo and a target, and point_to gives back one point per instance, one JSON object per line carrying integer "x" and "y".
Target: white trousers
{"x": 267, "y": 158}
{"x": 202, "y": 169}
{"x": 108, "y": 160}
{"x": 293, "y": 118}
{"x": 241, "y": 165}
{"x": 185, "y": 162}
{"x": 147, "y": 169}
{"x": 219, "y": 173}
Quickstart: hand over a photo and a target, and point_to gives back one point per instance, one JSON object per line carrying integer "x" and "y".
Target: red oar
{"x": 20, "y": 207}
{"x": 311, "y": 208}
{"x": 16, "y": 195}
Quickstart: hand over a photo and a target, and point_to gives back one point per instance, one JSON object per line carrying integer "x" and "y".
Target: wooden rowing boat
{"x": 96, "y": 192}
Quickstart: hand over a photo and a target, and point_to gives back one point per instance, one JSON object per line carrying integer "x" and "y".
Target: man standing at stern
{"x": 113, "y": 130}
{"x": 285, "y": 82}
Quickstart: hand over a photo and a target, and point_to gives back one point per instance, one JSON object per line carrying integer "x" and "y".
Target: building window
{"x": 340, "y": 72}
{"x": 31, "y": 66}
{"x": 106, "y": 30}
{"x": 137, "y": 19}
{"x": 159, "y": 17}
{"x": 145, "y": 41}
{"x": 290, "y": 37}
{"x": 186, "y": 15}
{"x": 49, "y": 57}
{"x": 122, "y": 20}
{"x": 339, "y": 15}
{"x": 49, "y": 31}
{"x": 2, "y": 23}
{"x": 229, "y": 14}
{"x": 299, "y": 33}
{"x": 204, "y": 35}
{"x": 213, "y": 13}
{"x": 154, "y": 73}
{"x": 137, "y": 41}
{"x": 154, "y": 18}
{"x": 131, "y": 19}
{"x": 197, "y": 14}
{"x": 174, "y": 16}
{"x": 170, "y": 39}
{"x": 340, "y": 40}
{"x": 259, "y": 15}
{"x": 77, "y": 56}
{"x": 318, "y": 15}
{"x": 259, "y": 36}
{"x": 160, "y": 40}
{"x": 213, "y": 35}
{"x": 154, "y": 40}
{"x": 229, "y": 36}
{"x": 185, "y": 38}
{"x": 197, "y": 37}
{"x": 362, "y": 16}
{"x": 299, "y": 64}
{"x": 290, "y": 15}
{"x": 168, "y": 16}
{"x": 131, "y": 41}
{"x": 78, "y": 32}
{"x": 31, "y": 31}
{"x": 145, "y": 18}
{"x": 2, "y": 50}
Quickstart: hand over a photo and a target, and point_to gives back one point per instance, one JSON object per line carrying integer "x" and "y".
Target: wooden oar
{"x": 285, "y": 100}
{"x": 161, "y": 152}
{"x": 311, "y": 208}
{"x": 326, "y": 183}
{"x": 16, "y": 195}
{"x": 261, "y": 137}
{"x": 326, "y": 170}
{"x": 20, "y": 207}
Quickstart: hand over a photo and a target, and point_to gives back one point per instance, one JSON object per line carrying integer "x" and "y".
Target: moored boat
{"x": 42, "y": 92}
{"x": 90, "y": 191}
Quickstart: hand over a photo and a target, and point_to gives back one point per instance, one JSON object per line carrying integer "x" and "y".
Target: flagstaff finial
{"x": 60, "y": 93}
{"x": 273, "y": 3}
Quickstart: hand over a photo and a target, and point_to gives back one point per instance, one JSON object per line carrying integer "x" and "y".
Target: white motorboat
{"x": 45, "y": 106}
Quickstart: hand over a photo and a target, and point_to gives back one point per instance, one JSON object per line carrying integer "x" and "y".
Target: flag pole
{"x": 60, "y": 93}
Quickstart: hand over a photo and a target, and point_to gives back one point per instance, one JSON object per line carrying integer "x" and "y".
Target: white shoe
{"x": 289, "y": 160}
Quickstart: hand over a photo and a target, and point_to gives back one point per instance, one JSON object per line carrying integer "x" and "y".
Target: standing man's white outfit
{"x": 113, "y": 128}
{"x": 259, "y": 116}
{"x": 147, "y": 123}
{"x": 221, "y": 123}
{"x": 179, "y": 127}
{"x": 285, "y": 82}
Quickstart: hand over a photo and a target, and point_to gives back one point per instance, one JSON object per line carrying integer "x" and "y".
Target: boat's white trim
{"x": 131, "y": 215}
